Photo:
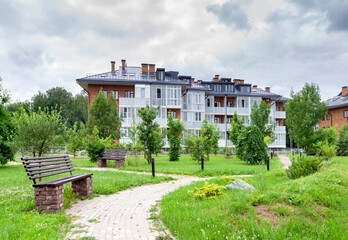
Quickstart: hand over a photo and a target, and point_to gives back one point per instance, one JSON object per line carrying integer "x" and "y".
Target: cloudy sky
{"x": 276, "y": 43}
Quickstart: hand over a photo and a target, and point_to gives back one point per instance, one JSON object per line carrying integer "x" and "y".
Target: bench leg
{"x": 49, "y": 198}
{"x": 101, "y": 163}
{"x": 83, "y": 187}
{"x": 119, "y": 163}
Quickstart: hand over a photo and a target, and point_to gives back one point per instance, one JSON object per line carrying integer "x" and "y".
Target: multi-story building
{"x": 183, "y": 97}
{"x": 337, "y": 111}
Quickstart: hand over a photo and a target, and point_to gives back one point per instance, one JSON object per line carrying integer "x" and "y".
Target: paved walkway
{"x": 285, "y": 161}
{"x": 123, "y": 215}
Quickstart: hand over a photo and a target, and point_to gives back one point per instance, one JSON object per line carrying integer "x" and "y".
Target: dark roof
{"x": 337, "y": 101}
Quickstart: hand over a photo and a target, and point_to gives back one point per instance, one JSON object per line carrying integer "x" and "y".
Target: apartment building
{"x": 183, "y": 97}
{"x": 337, "y": 110}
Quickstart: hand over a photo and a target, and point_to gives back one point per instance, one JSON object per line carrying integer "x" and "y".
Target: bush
{"x": 343, "y": 141}
{"x": 303, "y": 166}
{"x": 327, "y": 149}
{"x": 95, "y": 147}
{"x": 208, "y": 191}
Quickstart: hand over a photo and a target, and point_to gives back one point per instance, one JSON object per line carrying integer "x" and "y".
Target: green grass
{"x": 217, "y": 166}
{"x": 19, "y": 220}
{"x": 312, "y": 207}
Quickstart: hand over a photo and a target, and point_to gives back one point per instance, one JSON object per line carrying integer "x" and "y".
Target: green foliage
{"x": 251, "y": 147}
{"x": 174, "y": 134}
{"x": 208, "y": 191}
{"x": 7, "y": 130}
{"x": 197, "y": 148}
{"x": 259, "y": 117}
{"x": 103, "y": 114}
{"x": 188, "y": 141}
{"x": 303, "y": 166}
{"x": 210, "y": 135}
{"x": 343, "y": 141}
{"x": 95, "y": 147}
{"x": 304, "y": 111}
{"x": 321, "y": 135}
{"x": 37, "y": 130}
{"x": 150, "y": 135}
{"x": 327, "y": 150}
{"x": 76, "y": 137}
{"x": 237, "y": 126}
{"x": 231, "y": 179}
{"x": 227, "y": 150}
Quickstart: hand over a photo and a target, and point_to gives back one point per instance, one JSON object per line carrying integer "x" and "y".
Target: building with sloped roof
{"x": 337, "y": 110}
{"x": 183, "y": 97}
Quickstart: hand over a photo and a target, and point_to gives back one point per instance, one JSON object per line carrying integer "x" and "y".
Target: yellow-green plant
{"x": 208, "y": 191}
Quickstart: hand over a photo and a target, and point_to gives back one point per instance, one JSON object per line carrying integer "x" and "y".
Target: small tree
{"x": 259, "y": 117}
{"x": 150, "y": 135}
{"x": 237, "y": 125}
{"x": 251, "y": 146}
{"x": 95, "y": 147}
{"x": 37, "y": 129}
{"x": 7, "y": 129}
{"x": 76, "y": 137}
{"x": 133, "y": 133}
{"x": 196, "y": 148}
{"x": 103, "y": 114}
{"x": 174, "y": 137}
{"x": 210, "y": 137}
{"x": 322, "y": 135}
{"x": 303, "y": 112}
{"x": 342, "y": 142}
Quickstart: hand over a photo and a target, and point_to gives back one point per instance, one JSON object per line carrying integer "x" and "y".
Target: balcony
{"x": 280, "y": 129}
{"x": 134, "y": 102}
{"x": 189, "y": 125}
{"x": 230, "y": 110}
{"x": 278, "y": 114}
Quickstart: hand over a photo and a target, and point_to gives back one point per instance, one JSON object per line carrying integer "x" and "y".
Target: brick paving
{"x": 123, "y": 215}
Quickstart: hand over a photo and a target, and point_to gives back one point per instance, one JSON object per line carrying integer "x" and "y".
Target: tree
{"x": 237, "y": 125}
{"x": 251, "y": 146}
{"x": 103, "y": 114}
{"x": 133, "y": 133}
{"x": 174, "y": 134}
{"x": 303, "y": 112}
{"x": 7, "y": 129}
{"x": 322, "y": 135}
{"x": 196, "y": 148}
{"x": 210, "y": 137}
{"x": 76, "y": 137}
{"x": 342, "y": 142}
{"x": 96, "y": 145}
{"x": 149, "y": 132}
{"x": 37, "y": 129}
{"x": 259, "y": 117}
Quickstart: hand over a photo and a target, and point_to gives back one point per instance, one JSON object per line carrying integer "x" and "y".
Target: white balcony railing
{"x": 139, "y": 102}
{"x": 278, "y": 114}
{"x": 194, "y": 125}
{"x": 280, "y": 129}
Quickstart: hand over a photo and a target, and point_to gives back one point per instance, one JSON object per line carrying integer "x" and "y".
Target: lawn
{"x": 217, "y": 166}
{"x": 312, "y": 207}
{"x": 19, "y": 220}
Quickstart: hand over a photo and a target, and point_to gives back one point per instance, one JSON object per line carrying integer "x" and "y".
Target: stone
{"x": 238, "y": 184}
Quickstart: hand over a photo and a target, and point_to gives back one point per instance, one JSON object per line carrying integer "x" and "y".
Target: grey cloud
{"x": 231, "y": 14}
{"x": 26, "y": 57}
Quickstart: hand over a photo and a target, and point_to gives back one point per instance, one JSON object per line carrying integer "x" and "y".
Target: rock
{"x": 240, "y": 185}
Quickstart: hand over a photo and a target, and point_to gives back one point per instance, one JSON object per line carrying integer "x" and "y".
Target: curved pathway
{"x": 285, "y": 161}
{"x": 123, "y": 215}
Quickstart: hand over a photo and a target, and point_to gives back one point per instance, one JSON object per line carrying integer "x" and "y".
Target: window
{"x": 229, "y": 120}
{"x": 208, "y": 102}
{"x": 323, "y": 117}
{"x": 345, "y": 113}
{"x": 173, "y": 114}
{"x": 185, "y": 116}
{"x": 115, "y": 94}
{"x": 128, "y": 94}
{"x": 158, "y": 93}
{"x": 198, "y": 117}
{"x": 277, "y": 108}
{"x": 217, "y": 88}
{"x": 217, "y": 104}
{"x": 142, "y": 93}
{"x": 243, "y": 103}
{"x": 217, "y": 120}
{"x": 105, "y": 94}
{"x": 278, "y": 123}
{"x": 229, "y": 104}
{"x": 328, "y": 116}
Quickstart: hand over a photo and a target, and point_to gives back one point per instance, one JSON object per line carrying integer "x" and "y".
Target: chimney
{"x": 254, "y": 86}
{"x": 192, "y": 80}
{"x": 144, "y": 67}
{"x": 112, "y": 66}
{"x": 344, "y": 91}
{"x": 218, "y": 77}
{"x": 267, "y": 89}
{"x": 123, "y": 64}
{"x": 152, "y": 68}
{"x": 241, "y": 81}
{"x": 236, "y": 81}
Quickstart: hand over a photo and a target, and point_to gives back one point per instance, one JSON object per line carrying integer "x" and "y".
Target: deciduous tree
{"x": 76, "y": 137}
{"x": 174, "y": 134}
{"x": 237, "y": 126}
{"x": 210, "y": 137}
{"x": 259, "y": 117}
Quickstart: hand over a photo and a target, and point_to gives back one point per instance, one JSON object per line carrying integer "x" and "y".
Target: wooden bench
{"x": 49, "y": 195}
{"x": 118, "y": 155}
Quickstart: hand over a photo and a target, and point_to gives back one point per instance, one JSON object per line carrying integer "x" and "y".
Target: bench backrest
{"x": 39, "y": 167}
{"x": 121, "y": 153}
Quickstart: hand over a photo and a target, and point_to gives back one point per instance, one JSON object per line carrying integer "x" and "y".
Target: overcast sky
{"x": 277, "y": 43}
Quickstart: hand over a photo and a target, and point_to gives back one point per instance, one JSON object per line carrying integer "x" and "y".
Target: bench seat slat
{"x": 50, "y": 170}
{"x": 61, "y": 181}
{"x": 50, "y": 174}
{"x": 112, "y": 158}
{"x": 47, "y": 157}
{"x": 45, "y": 164}
{"x": 44, "y": 161}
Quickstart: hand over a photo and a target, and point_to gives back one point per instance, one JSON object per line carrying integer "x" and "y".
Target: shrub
{"x": 303, "y": 166}
{"x": 327, "y": 149}
{"x": 343, "y": 141}
{"x": 95, "y": 147}
{"x": 208, "y": 191}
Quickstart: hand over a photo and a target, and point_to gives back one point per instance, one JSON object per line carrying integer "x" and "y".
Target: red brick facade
{"x": 336, "y": 118}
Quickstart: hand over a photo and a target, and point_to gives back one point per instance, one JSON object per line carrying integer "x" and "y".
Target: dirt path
{"x": 285, "y": 161}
